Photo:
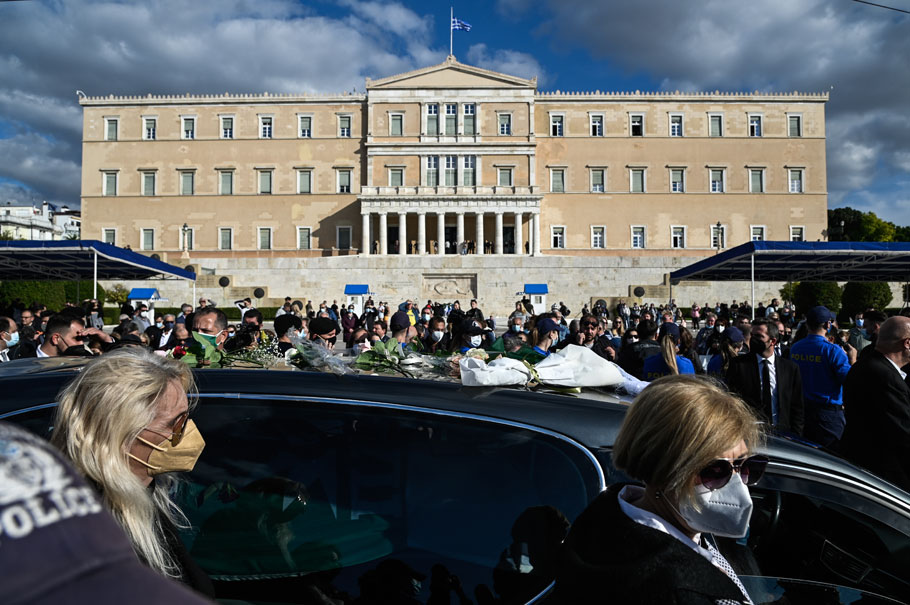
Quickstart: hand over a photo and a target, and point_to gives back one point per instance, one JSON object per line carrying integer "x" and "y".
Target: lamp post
{"x": 718, "y": 233}
{"x": 185, "y": 230}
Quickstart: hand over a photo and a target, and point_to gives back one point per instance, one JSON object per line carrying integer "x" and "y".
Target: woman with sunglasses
{"x": 691, "y": 445}
{"x": 123, "y": 421}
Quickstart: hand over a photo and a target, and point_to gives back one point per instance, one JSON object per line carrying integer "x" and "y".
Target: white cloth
{"x": 40, "y": 353}
{"x": 499, "y": 372}
{"x": 576, "y": 366}
{"x": 898, "y": 368}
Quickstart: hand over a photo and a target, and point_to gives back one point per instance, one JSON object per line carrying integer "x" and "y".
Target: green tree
{"x": 860, "y": 226}
{"x": 6, "y": 236}
{"x": 50, "y": 293}
{"x": 902, "y": 234}
{"x": 861, "y": 295}
{"x": 808, "y": 294}
{"x": 118, "y": 294}
{"x": 788, "y": 292}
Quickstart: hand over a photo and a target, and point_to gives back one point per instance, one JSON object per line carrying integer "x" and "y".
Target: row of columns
{"x": 534, "y": 235}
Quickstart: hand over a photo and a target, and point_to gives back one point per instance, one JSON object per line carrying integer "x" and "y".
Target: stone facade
{"x": 549, "y": 187}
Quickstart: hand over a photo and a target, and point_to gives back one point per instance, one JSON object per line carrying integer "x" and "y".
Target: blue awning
{"x": 356, "y": 289}
{"x": 536, "y": 289}
{"x": 75, "y": 259}
{"x": 143, "y": 294}
{"x": 803, "y": 261}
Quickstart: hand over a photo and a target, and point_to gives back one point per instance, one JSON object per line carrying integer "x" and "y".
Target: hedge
{"x": 859, "y": 296}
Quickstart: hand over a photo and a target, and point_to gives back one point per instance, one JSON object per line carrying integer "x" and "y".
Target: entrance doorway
{"x": 451, "y": 244}
{"x": 508, "y": 240}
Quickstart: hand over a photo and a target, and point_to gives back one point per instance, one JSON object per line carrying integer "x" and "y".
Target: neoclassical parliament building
{"x": 452, "y": 181}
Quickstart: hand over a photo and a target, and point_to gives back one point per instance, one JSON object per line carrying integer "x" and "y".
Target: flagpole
{"x": 451, "y": 17}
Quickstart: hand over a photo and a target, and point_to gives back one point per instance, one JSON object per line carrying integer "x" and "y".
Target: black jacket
{"x": 877, "y": 410}
{"x": 742, "y": 378}
{"x": 632, "y": 357}
{"x": 609, "y": 558}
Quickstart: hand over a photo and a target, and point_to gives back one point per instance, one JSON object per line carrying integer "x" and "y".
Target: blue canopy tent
{"x": 80, "y": 259}
{"x": 803, "y": 261}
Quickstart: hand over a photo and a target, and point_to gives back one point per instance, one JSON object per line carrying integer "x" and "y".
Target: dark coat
{"x": 877, "y": 409}
{"x": 154, "y": 333}
{"x": 742, "y": 378}
{"x": 609, "y": 558}
{"x": 632, "y": 357}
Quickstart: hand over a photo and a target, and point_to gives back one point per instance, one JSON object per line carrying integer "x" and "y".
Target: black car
{"x": 314, "y": 487}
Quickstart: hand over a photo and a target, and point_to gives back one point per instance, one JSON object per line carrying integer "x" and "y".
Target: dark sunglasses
{"x": 718, "y": 473}
{"x": 588, "y": 325}
{"x": 177, "y": 432}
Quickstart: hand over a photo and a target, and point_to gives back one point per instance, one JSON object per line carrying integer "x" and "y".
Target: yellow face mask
{"x": 168, "y": 458}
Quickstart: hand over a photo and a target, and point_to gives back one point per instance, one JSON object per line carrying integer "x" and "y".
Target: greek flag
{"x": 459, "y": 24}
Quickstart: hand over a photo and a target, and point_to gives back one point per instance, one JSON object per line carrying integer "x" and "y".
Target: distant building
{"x": 591, "y": 192}
{"x": 45, "y": 222}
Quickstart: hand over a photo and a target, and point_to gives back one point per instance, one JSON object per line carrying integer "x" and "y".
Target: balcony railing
{"x": 449, "y": 191}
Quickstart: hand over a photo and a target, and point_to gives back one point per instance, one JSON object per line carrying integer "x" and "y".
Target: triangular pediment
{"x": 451, "y": 74}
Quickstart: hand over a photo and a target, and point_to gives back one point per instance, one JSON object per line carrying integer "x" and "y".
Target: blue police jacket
{"x": 823, "y": 367}
{"x": 655, "y": 367}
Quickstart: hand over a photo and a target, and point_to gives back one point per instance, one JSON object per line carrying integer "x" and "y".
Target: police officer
{"x": 823, "y": 366}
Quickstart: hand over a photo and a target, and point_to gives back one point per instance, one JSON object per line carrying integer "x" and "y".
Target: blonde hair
{"x": 676, "y": 427}
{"x": 668, "y": 352}
{"x": 99, "y": 415}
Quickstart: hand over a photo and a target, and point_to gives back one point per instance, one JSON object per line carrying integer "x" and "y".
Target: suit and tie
{"x": 772, "y": 386}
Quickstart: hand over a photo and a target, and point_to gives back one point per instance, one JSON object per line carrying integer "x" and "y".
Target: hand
{"x": 851, "y": 353}
{"x": 85, "y": 333}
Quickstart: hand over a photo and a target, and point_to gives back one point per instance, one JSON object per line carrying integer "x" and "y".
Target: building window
{"x": 433, "y": 119}
{"x": 344, "y": 181}
{"x": 598, "y": 236}
{"x": 149, "y": 128}
{"x": 638, "y": 236}
{"x": 396, "y": 121}
{"x": 597, "y": 125}
{"x": 758, "y": 233}
{"x": 432, "y": 171}
{"x": 505, "y": 123}
{"x": 110, "y": 183}
{"x": 265, "y": 127}
{"x": 190, "y": 238}
{"x": 451, "y": 118}
{"x": 637, "y": 178}
{"x": 303, "y": 238}
{"x": 148, "y": 239}
{"x": 189, "y": 128}
{"x": 796, "y": 180}
{"x": 265, "y": 181}
{"x": 469, "y": 109}
{"x": 715, "y": 125}
{"x": 797, "y": 234}
{"x": 110, "y": 129}
{"x": 756, "y": 180}
{"x": 556, "y": 125}
{"x": 304, "y": 181}
{"x": 470, "y": 166}
{"x": 717, "y": 180}
{"x": 305, "y": 126}
{"x": 265, "y": 238}
{"x": 227, "y": 127}
{"x": 676, "y": 125}
{"x": 225, "y": 238}
{"x": 677, "y": 237}
{"x": 558, "y": 237}
{"x": 396, "y": 177}
{"x": 451, "y": 170}
{"x": 558, "y": 180}
{"x": 226, "y": 182}
{"x": 754, "y": 126}
{"x": 186, "y": 182}
{"x": 637, "y": 124}
{"x": 718, "y": 236}
{"x": 148, "y": 183}
{"x": 505, "y": 177}
{"x": 677, "y": 180}
{"x": 597, "y": 180}
{"x": 109, "y": 236}
{"x": 343, "y": 238}
{"x": 344, "y": 126}
{"x": 795, "y": 126}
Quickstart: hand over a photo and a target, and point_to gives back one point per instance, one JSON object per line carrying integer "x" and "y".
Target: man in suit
{"x": 9, "y": 339}
{"x": 163, "y": 338}
{"x": 877, "y": 406}
{"x": 769, "y": 383}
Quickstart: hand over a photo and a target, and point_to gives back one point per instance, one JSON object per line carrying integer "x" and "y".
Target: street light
{"x": 718, "y": 236}
{"x": 186, "y": 232}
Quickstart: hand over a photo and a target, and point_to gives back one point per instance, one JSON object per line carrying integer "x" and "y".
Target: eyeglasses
{"x": 718, "y": 473}
{"x": 177, "y": 432}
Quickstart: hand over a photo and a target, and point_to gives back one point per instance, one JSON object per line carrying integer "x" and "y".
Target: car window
{"x": 328, "y": 492}
{"x": 38, "y": 419}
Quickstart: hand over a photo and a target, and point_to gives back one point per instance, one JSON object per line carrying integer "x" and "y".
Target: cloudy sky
{"x": 858, "y": 52}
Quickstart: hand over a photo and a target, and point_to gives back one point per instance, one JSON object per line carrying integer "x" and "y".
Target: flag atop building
{"x": 459, "y": 24}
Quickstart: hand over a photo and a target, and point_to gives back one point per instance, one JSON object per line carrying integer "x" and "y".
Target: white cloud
{"x": 38, "y": 162}
{"x": 509, "y": 62}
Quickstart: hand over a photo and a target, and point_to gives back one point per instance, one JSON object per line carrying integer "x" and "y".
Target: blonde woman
{"x": 123, "y": 422}
{"x": 691, "y": 444}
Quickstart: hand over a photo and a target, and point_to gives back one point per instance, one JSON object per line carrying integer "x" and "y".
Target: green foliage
{"x": 50, "y": 293}
{"x": 788, "y": 292}
{"x": 6, "y": 236}
{"x": 118, "y": 294}
{"x": 200, "y": 354}
{"x": 808, "y": 294}
{"x": 76, "y": 292}
{"x": 859, "y": 296}
{"x": 861, "y": 226}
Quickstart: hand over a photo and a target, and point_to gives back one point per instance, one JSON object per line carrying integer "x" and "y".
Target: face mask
{"x": 427, "y": 317}
{"x": 168, "y": 326}
{"x": 437, "y": 335}
{"x": 167, "y": 458}
{"x": 719, "y": 329}
{"x": 13, "y": 339}
{"x": 476, "y": 340}
{"x": 515, "y": 328}
{"x": 633, "y": 339}
{"x": 143, "y": 314}
{"x": 756, "y": 346}
{"x": 159, "y": 324}
{"x": 859, "y": 323}
{"x": 211, "y": 338}
{"x": 723, "y": 512}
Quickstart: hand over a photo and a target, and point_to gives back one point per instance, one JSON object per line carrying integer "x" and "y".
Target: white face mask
{"x": 437, "y": 335}
{"x": 723, "y": 512}
{"x": 476, "y": 340}
{"x": 719, "y": 329}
